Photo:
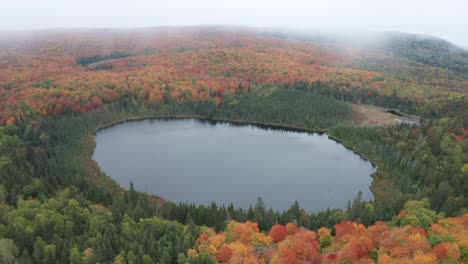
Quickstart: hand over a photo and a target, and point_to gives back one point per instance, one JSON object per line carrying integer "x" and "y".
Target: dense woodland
{"x": 57, "y": 207}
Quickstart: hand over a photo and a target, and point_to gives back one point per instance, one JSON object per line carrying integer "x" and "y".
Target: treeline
{"x": 42, "y": 223}
{"x": 48, "y": 149}
{"x": 39, "y": 157}
{"x": 358, "y": 95}
{"x": 87, "y": 60}
{"x": 218, "y": 216}
{"x": 273, "y": 104}
{"x": 54, "y": 150}
{"x": 415, "y": 162}
{"x": 56, "y": 207}
{"x": 452, "y": 107}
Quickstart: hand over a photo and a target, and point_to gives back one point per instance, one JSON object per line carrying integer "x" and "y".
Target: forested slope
{"x": 57, "y": 206}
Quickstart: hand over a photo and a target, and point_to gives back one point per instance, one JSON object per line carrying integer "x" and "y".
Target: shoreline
{"x": 265, "y": 125}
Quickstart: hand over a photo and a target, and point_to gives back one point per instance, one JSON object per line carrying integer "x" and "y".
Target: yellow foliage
{"x": 217, "y": 240}
{"x": 192, "y": 253}
{"x": 259, "y": 240}
{"x": 421, "y": 258}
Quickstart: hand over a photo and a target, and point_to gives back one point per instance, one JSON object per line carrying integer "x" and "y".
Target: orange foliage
{"x": 353, "y": 243}
{"x": 291, "y": 228}
{"x": 421, "y": 258}
{"x": 447, "y": 250}
{"x": 10, "y": 121}
{"x": 191, "y": 63}
{"x": 298, "y": 248}
{"x": 243, "y": 232}
{"x": 242, "y": 253}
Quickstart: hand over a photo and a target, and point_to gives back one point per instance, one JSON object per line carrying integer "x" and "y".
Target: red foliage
{"x": 202, "y": 237}
{"x": 353, "y": 243}
{"x": 223, "y": 254}
{"x": 278, "y": 233}
{"x": 46, "y": 78}
{"x": 299, "y": 248}
{"x": 357, "y": 248}
{"x": 332, "y": 256}
{"x": 399, "y": 251}
{"x": 96, "y": 102}
{"x": 345, "y": 228}
{"x": 402, "y": 214}
{"x": 441, "y": 251}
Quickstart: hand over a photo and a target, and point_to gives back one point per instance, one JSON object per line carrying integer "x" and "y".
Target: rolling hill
{"x": 58, "y": 87}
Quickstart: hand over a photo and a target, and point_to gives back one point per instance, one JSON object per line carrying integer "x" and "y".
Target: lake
{"x": 193, "y": 160}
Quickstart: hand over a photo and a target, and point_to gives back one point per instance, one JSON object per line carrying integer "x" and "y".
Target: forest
{"x": 58, "y": 207}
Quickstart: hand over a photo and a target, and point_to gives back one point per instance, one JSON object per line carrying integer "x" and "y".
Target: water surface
{"x": 191, "y": 160}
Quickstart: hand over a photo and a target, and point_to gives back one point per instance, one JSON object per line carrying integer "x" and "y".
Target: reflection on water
{"x": 191, "y": 160}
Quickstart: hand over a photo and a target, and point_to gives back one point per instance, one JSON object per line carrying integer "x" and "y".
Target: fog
{"x": 446, "y": 19}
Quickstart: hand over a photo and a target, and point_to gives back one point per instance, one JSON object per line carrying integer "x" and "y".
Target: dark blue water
{"x": 191, "y": 160}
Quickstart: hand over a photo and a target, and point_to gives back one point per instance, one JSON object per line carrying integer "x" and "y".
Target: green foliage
{"x": 43, "y": 164}
{"x": 203, "y": 259}
{"x": 3, "y": 194}
{"x": 219, "y": 216}
{"x": 181, "y": 259}
{"x": 75, "y": 256}
{"x": 271, "y": 104}
{"x": 428, "y": 50}
{"x": 204, "y": 108}
{"x": 414, "y": 162}
{"x": 148, "y": 260}
{"x": 417, "y": 213}
{"x": 87, "y": 60}
{"x": 55, "y": 222}
{"x": 8, "y": 251}
{"x": 34, "y": 188}
{"x": 436, "y": 239}
{"x": 186, "y": 94}
{"x": 46, "y": 84}
{"x": 103, "y": 67}
{"x": 326, "y": 241}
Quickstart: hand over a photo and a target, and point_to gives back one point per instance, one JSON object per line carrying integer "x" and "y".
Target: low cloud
{"x": 446, "y": 19}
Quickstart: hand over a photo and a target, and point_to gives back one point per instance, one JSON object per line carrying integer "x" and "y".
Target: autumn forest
{"x": 59, "y": 87}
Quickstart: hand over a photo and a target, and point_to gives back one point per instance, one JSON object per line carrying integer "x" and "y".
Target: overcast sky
{"x": 444, "y": 18}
